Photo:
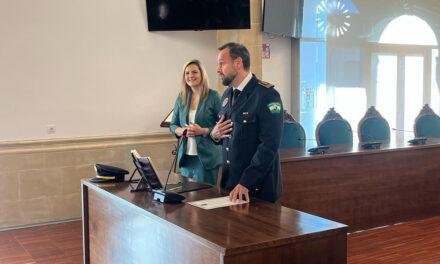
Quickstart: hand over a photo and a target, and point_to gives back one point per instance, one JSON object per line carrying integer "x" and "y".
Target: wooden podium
{"x": 124, "y": 227}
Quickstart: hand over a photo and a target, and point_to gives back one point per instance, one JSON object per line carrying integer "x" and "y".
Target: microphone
{"x": 315, "y": 150}
{"x": 185, "y": 131}
{"x": 418, "y": 141}
{"x": 306, "y": 139}
{"x": 162, "y": 195}
{"x": 318, "y": 150}
{"x": 414, "y": 141}
{"x": 368, "y": 144}
{"x": 371, "y": 145}
{"x": 402, "y": 130}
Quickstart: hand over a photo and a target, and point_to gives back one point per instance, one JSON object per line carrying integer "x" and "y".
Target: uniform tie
{"x": 235, "y": 95}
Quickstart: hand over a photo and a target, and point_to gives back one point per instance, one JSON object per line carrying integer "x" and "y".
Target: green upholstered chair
{"x": 294, "y": 135}
{"x": 373, "y": 127}
{"x": 333, "y": 129}
{"x": 427, "y": 123}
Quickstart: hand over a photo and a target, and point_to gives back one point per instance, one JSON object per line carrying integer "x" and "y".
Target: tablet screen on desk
{"x": 146, "y": 168}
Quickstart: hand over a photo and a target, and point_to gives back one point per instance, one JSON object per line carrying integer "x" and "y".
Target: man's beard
{"x": 227, "y": 79}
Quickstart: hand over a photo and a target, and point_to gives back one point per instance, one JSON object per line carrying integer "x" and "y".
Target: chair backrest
{"x": 333, "y": 129}
{"x": 294, "y": 135}
{"x": 427, "y": 123}
{"x": 373, "y": 127}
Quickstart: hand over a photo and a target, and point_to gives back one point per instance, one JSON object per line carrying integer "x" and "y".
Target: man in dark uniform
{"x": 249, "y": 129}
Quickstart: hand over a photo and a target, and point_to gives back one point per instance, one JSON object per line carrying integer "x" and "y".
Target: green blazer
{"x": 206, "y": 116}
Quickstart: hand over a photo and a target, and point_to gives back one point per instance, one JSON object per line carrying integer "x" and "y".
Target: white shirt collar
{"x": 244, "y": 82}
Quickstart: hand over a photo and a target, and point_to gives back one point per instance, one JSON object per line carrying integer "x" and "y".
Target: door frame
{"x": 400, "y": 51}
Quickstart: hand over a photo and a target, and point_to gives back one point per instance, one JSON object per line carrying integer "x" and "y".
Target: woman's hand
{"x": 196, "y": 130}
{"x": 179, "y": 131}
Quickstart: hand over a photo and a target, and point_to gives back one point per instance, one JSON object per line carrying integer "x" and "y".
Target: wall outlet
{"x": 51, "y": 129}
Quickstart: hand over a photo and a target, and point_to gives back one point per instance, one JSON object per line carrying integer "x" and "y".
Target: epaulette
{"x": 265, "y": 84}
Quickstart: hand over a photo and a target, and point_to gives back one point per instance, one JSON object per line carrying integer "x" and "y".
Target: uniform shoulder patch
{"x": 274, "y": 107}
{"x": 265, "y": 84}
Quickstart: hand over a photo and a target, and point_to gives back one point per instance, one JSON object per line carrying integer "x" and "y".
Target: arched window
{"x": 354, "y": 54}
{"x": 405, "y": 28}
{"x": 404, "y": 66}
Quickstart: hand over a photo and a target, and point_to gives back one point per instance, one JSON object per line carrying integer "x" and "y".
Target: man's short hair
{"x": 238, "y": 50}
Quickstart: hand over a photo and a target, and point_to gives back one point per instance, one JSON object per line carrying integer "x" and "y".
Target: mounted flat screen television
{"x": 197, "y": 14}
{"x": 283, "y": 17}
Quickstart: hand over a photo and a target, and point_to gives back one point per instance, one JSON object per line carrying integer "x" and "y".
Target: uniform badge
{"x": 225, "y": 102}
{"x": 274, "y": 107}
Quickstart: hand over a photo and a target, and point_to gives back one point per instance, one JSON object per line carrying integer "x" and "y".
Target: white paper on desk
{"x": 215, "y": 203}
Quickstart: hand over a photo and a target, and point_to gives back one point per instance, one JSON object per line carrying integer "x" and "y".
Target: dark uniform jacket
{"x": 250, "y": 156}
{"x": 206, "y": 116}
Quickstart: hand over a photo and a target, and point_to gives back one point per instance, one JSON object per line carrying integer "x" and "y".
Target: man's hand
{"x": 222, "y": 129}
{"x": 238, "y": 192}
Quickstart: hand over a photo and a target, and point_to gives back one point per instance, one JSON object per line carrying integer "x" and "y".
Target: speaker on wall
{"x": 283, "y": 17}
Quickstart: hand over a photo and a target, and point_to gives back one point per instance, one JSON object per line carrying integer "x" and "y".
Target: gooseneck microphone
{"x": 402, "y": 130}
{"x": 162, "y": 195}
{"x": 415, "y": 140}
{"x": 300, "y": 139}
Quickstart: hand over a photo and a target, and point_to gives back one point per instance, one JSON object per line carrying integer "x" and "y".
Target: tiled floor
{"x": 54, "y": 244}
{"x": 416, "y": 242}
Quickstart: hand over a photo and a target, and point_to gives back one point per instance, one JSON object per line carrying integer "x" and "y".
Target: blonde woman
{"x": 196, "y": 111}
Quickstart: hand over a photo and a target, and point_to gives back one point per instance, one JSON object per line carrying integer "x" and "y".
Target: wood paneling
{"x": 131, "y": 227}
{"x": 364, "y": 188}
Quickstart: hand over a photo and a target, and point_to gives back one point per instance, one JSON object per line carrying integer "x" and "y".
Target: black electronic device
{"x": 418, "y": 141}
{"x": 166, "y": 193}
{"x": 167, "y": 197}
{"x": 371, "y": 145}
{"x": 148, "y": 178}
{"x": 318, "y": 150}
{"x": 161, "y": 195}
{"x": 164, "y": 196}
{"x": 163, "y": 15}
{"x": 283, "y": 17}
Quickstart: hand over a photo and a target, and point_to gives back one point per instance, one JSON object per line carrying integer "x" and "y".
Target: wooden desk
{"x": 364, "y": 188}
{"x": 124, "y": 227}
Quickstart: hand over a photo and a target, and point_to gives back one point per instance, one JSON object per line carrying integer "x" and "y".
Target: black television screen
{"x": 283, "y": 17}
{"x": 198, "y": 14}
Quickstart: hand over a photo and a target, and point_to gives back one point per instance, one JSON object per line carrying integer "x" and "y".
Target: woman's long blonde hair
{"x": 185, "y": 88}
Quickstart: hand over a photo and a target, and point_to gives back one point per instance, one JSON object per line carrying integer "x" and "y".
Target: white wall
{"x": 89, "y": 67}
{"x": 278, "y": 70}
